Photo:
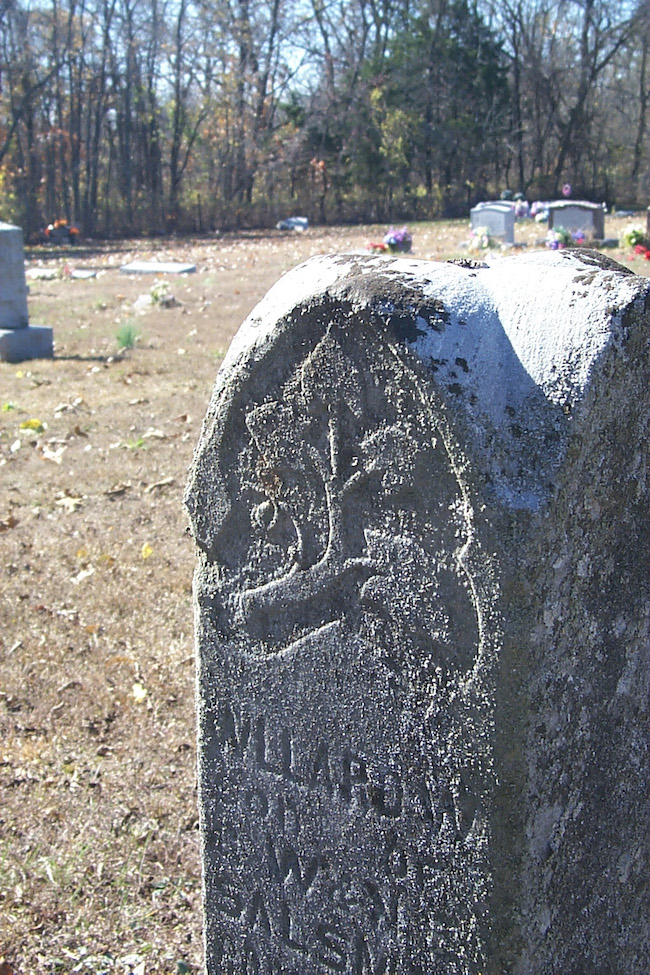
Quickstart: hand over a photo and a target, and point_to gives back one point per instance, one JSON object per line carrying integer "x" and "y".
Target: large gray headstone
{"x": 496, "y": 216}
{"x": 575, "y": 215}
{"x": 18, "y": 339}
{"x": 422, "y": 607}
{"x": 13, "y": 288}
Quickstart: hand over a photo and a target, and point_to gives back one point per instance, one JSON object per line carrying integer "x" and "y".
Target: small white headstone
{"x": 496, "y": 216}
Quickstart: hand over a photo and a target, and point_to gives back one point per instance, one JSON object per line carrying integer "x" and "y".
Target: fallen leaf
{"x": 139, "y": 693}
{"x": 69, "y": 503}
{"x": 166, "y": 481}
{"x": 119, "y": 658}
{"x": 84, "y": 574}
{"x": 117, "y": 489}
{"x": 8, "y": 523}
{"x": 34, "y": 424}
{"x": 56, "y": 456}
{"x": 146, "y": 550}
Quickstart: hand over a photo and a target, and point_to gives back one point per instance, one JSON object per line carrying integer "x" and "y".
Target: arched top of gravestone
{"x": 507, "y": 347}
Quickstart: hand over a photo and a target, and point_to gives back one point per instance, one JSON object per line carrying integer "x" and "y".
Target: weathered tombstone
{"x": 423, "y": 611}
{"x": 497, "y": 216}
{"x": 18, "y": 339}
{"x": 575, "y": 215}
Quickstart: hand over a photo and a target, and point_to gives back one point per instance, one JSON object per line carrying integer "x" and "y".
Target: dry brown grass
{"x": 99, "y": 867}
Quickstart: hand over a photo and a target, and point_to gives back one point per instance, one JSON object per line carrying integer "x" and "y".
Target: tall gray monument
{"x": 18, "y": 339}
{"x": 420, "y": 502}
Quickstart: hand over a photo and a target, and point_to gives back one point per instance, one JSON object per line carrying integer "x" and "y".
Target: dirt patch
{"x": 99, "y": 862}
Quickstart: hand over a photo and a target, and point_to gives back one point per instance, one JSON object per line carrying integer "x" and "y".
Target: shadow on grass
{"x": 76, "y": 357}
{"x": 54, "y": 251}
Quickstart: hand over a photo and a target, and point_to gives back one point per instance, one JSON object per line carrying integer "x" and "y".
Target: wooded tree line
{"x": 146, "y": 116}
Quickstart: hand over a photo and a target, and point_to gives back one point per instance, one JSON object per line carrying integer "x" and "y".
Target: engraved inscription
{"x": 340, "y": 774}
{"x": 297, "y": 873}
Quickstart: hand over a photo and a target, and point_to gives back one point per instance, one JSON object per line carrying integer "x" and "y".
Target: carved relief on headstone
{"x": 380, "y": 440}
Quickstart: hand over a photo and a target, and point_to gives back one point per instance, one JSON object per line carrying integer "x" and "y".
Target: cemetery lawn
{"x": 99, "y": 861}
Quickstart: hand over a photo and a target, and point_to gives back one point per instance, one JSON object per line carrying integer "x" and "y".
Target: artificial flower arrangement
{"x": 643, "y": 251}
{"x": 634, "y": 236}
{"x": 539, "y": 211}
{"x": 481, "y": 239}
{"x": 394, "y": 242}
{"x": 559, "y": 237}
{"x": 59, "y": 231}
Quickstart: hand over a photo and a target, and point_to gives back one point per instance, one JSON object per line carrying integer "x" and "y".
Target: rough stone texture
{"x": 420, "y": 502}
{"x": 18, "y": 339}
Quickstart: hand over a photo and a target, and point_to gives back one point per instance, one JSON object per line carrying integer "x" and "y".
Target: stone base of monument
{"x": 30, "y": 342}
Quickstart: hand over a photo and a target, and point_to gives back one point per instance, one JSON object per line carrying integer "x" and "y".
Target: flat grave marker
{"x": 157, "y": 267}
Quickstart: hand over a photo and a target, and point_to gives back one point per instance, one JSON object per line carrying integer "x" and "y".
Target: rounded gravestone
{"x": 390, "y": 591}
